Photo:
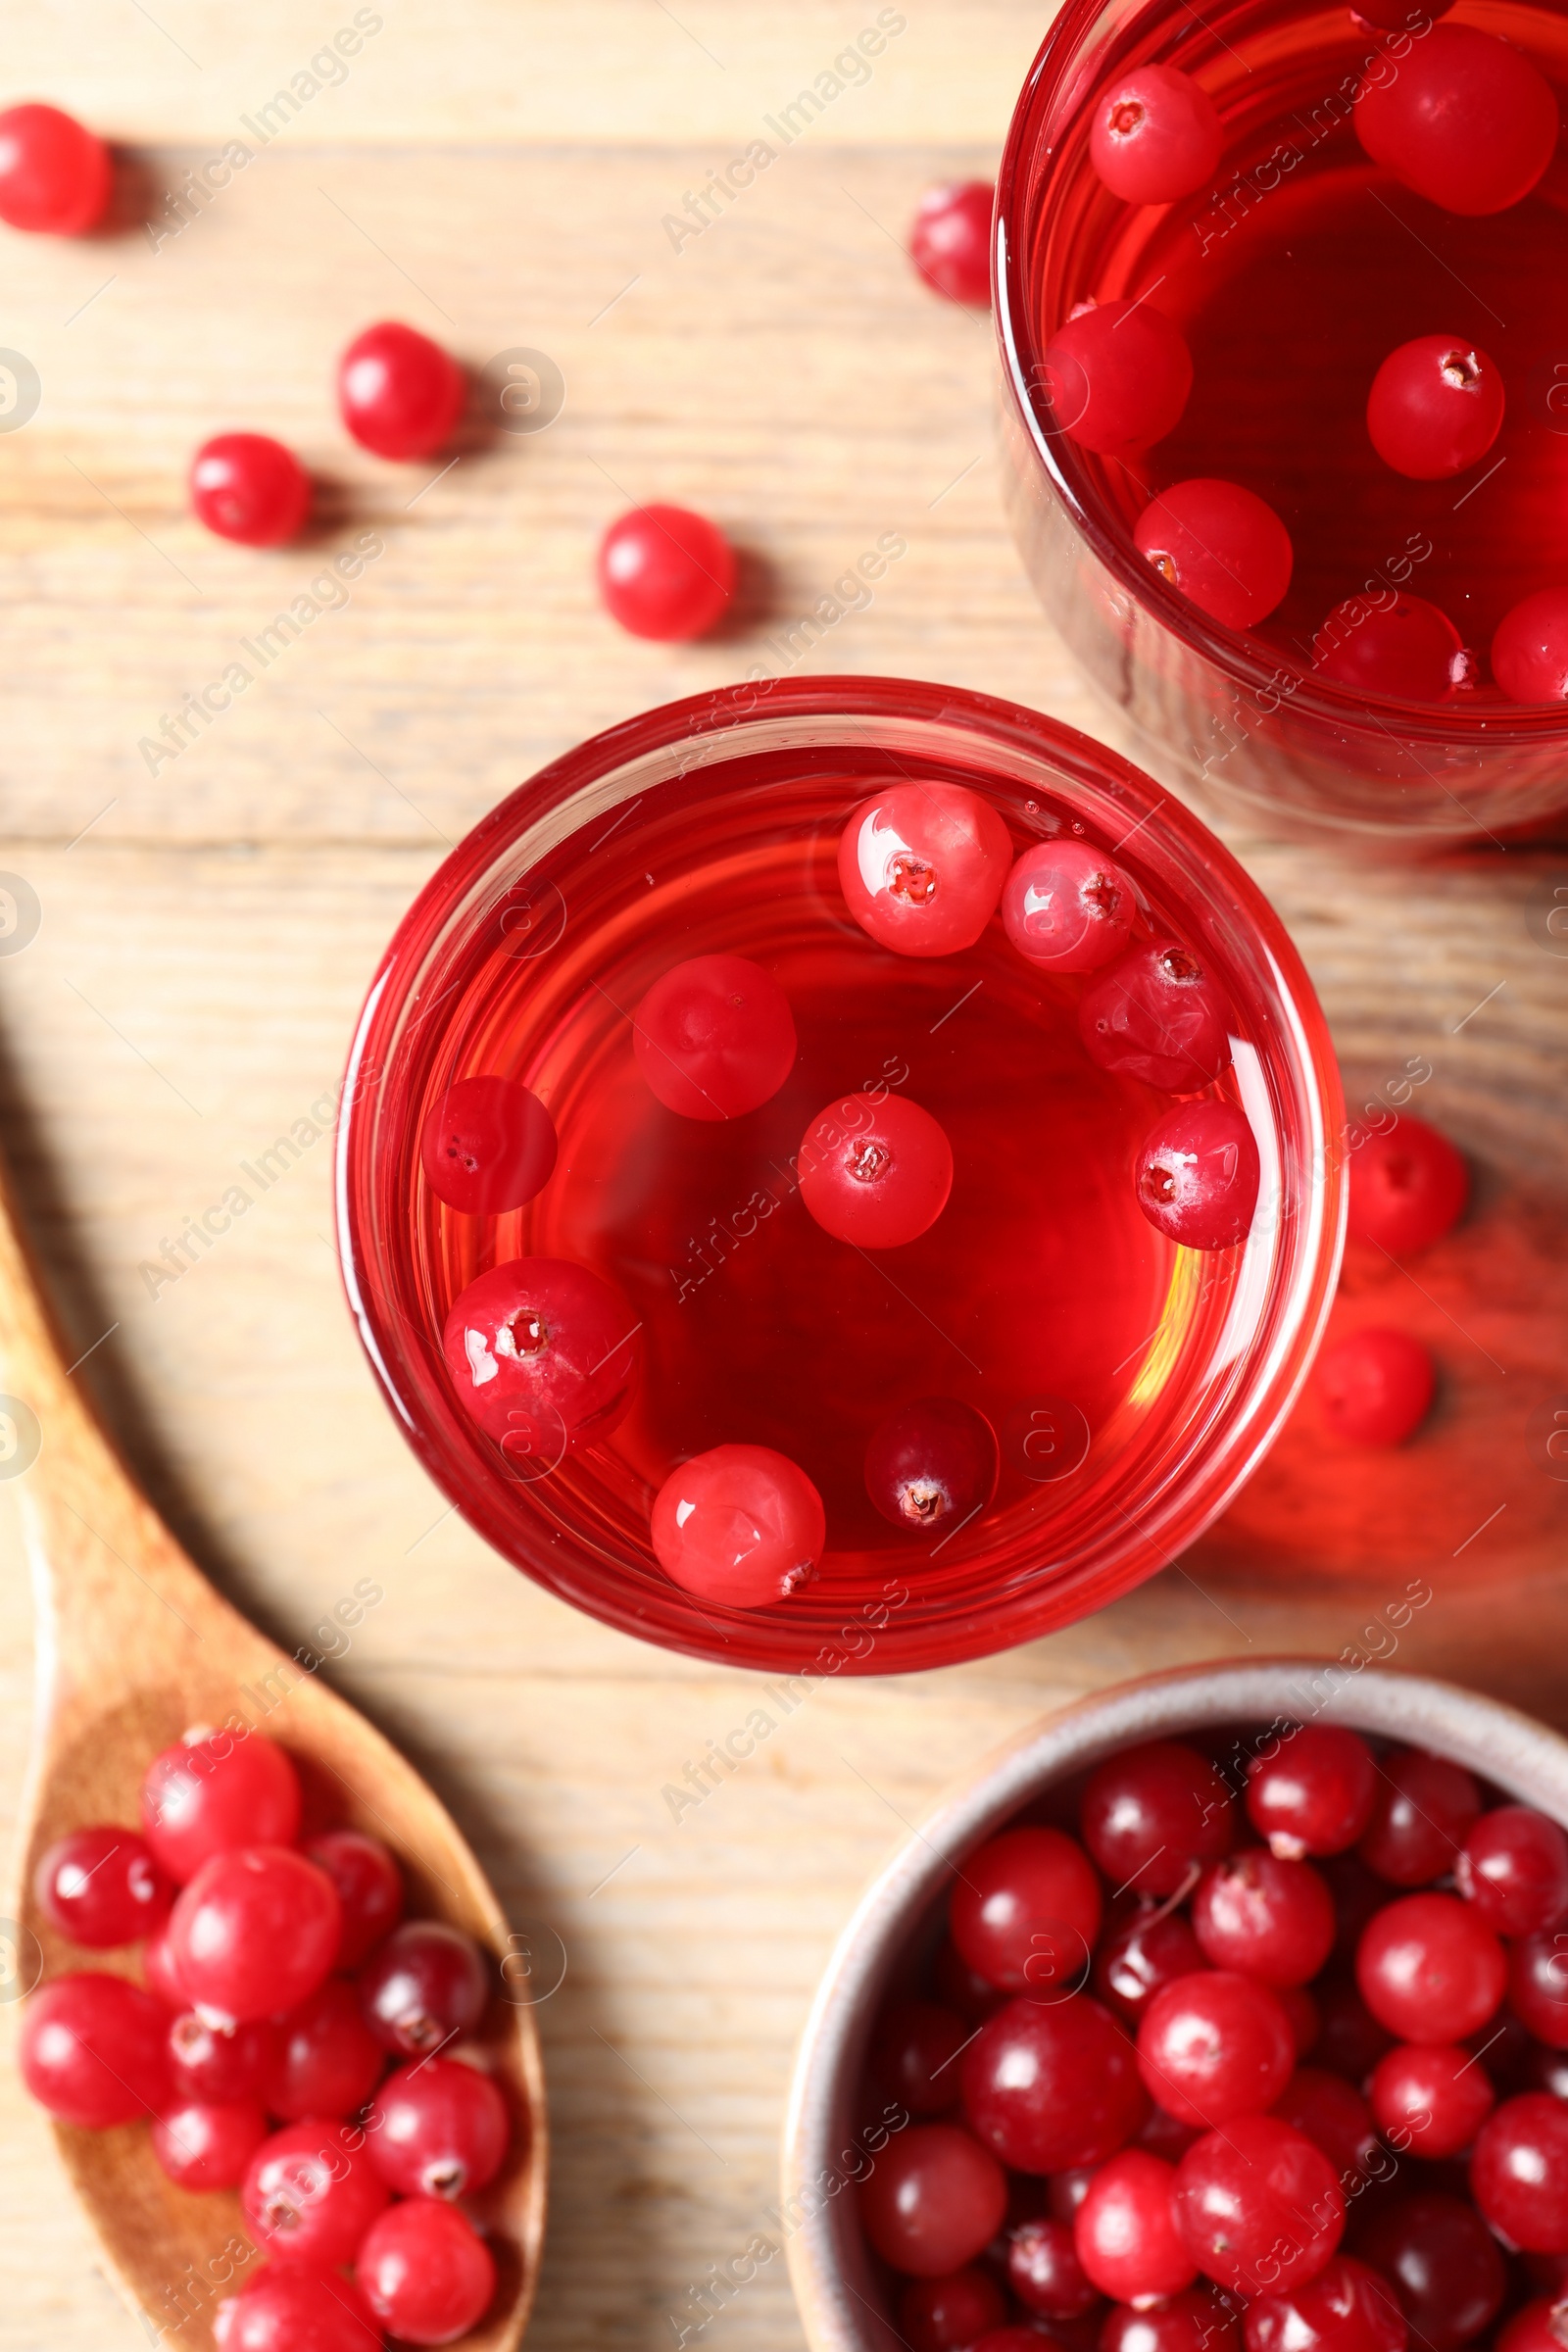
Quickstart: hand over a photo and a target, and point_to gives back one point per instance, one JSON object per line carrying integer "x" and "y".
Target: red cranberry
{"x": 1375, "y": 1387}
{"x": 217, "y": 1789}
{"x": 1219, "y": 546}
{"x": 1267, "y": 1918}
{"x": 425, "y": 1984}
{"x": 1118, "y": 374}
{"x": 1155, "y": 136}
{"x": 1428, "y": 1967}
{"x": 1425, "y": 1808}
{"x": 1068, "y": 907}
{"x": 54, "y": 173}
{"x": 1051, "y": 2084}
{"x": 740, "y": 1525}
{"x": 1408, "y": 649}
{"x": 158, "y": 1962}
{"x": 487, "y": 1146}
{"x": 946, "y": 2315}
{"x": 1198, "y": 1175}
{"x": 1025, "y": 1910}
{"x": 370, "y": 1887}
{"x": 1466, "y": 120}
{"x": 1125, "y": 2233}
{"x": 935, "y": 2201}
{"x": 1157, "y": 1015}
{"x": 400, "y": 394}
{"x": 1144, "y": 1946}
{"x": 545, "y": 1355}
{"x": 932, "y": 1465}
{"x": 102, "y": 1887}
{"x": 715, "y": 1037}
{"x": 310, "y": 2192}
{"x": 1513, "y": 1870}
{"x": 326, "y": 2060}
{"x": 438, "y": 2128}
{"x": 1408, "y": 1186}
{"x": 1333, "y": 2115}
{"x": 212, "y": 2064}
{"x": 426, "y": 2272}
{"x": 1345, "y": 2308}
{"x": 875, "y": 1174}
{"x": 250, "y": 488}
{"x": 1538, "y": 1984}
{"x": 1200, "y": 2321}
{"x": 667, "y": 573}
{"x": 912, "y": 2054}
{"x": 959, "y": 1985}
{"x": 922, "y": 866}
{"x": 205, "y": 2145}
{"x": 1258, "y": 2206}
{"x": 93, "y": 2050}
{"x": 1519, "y": 2171}
{"x": 1435, "y": 2253}
{"x": 1542, "y": 2326}
{"x": 1152, "y": 1814}
{"x": 285, "y": 2308}
{"x": 255, "y": 1932}
{"x": 1530, "y": 651}
{"x": 1436, "y": 407}
{"x": 1213, "y": 2046}
{"x": 1350, "y": 2040}
{"x": 1314, "y": 1794}
{"x": 1043, "y": 2271}
{"x": 1431, "y": 2099}
{"x": 951, "y": 241}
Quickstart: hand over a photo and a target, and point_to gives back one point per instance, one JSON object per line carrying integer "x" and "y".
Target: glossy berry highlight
{"x": 1068, "y": 907}
{"x": 202, "y": 2145}
{"x": 292, "y": 2310}
{"x": 1220, "y": 546}
{"x": 1118, "y": 374}
{"x": 875, "y": 1174}
{"x": 438, "y": 2128}
{"x": 1197, "y": 1176}
{"x": 370, "y": 1888}
{"x": 1125, "y": 2232}
{"x": 934, "y": 2201}
{"x": 1159, "y": 1015}
{"x": 399, "y": 394}
{"x": 93, "y": 2050}
{"x": 1434, "y": 407}
{"x": 950, "y": 242}
{"x": 310, "y": 2192}
{"x": 1314, "y": 1793}
{"x": 1345, "y": 2308}
{"x": 1258, "y": 2206}
{"x": 1051, "y": 2084}
{"x": 667, "y": 573}
{"x": 715, "y": 1037}
{"x": 1421, "y": 1816}
{"x": 1215, "y": 2046}
{"x": 1513, "y": 1870}
{"x": 1519, "y": 2171}
{"x": 425, "y": 1985}
{"x": 922, "y": 866}
{"x": 740, "y": 1525}
{"x": 1265, "y": 1916}
{"x": 1429, "y": 1970}
{"x": 324, "y": 2060}
{"x": 1430, "y": 2097}
{"x": 544, "y": 1355}
{"x": 1152, "y": 1815}
{"x": 217, "y": 1789}
{"x": 55, "y": 174}
{"x": 249, "y": 488}
{"x": 102, "y": 1887}
{"x": 1025, "y": 1911}
{"x": 1156, "y": 136}
{"x": 255, "y": 1932}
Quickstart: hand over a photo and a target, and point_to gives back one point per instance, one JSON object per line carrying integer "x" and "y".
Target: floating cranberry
{"x": 1051, "y": 2085}
{"x": 1514, "y": 1871}
{"x": 715, "y": 1037}
{"x": 1219, "y": 546}
{"x": 255, "y": 1932}
{"x": 326, "y": 2060}
{"x": 1119, "y": 375}
{"x": 934, "y": 2200}
{"x": 370, "y": 1887}
{"x": 1043, "y": 2270}
{"x": 1375, "y": 1387}
{"x": 1437, "y": 2254}
{"x": 1258, "y": 2206}
{"x": 93, "y": 2051}
{"x": 1429, "y": 1969}
{"x": 310, "y": 2192}
{"x": 1314, "y": 1794}
{"x": 487, "y": 1146}
{"x": 1466, "y": 120}
{"x": 1519, "y": 2171}
{"x": 1197, "y": 1176}
{"x": 1408, "y": 649}
{"x": 212, "y": 2064}
{"x": 1345, "y": 2308}
{"x": 1424, "y": 1810}
{"x": 1538, "y": 1984}
{"x": 1334, "y": 2115}
{"x": 950, "y": 240}
{"x": 544, "y": 1355}
{"x": 1431, "y": 2099}
{"x": 912, "y": 2054}
{"x": 425, "y": 1984}
{"x": 102, "y": 1887}
{"x": 667, "y": 573}
{"x": 1436, "y": 407}
{"x": 740, "y": 1525}
{"x": 1155, "y": 136}
{"x": 1530, "y": 651}
{"x": 1146, "y": 1946}
{"x": 1408, "y": 1186}
{"x": 1068, "y": 907}
{"x": 1025, "y": 1911}
{"x": 1151, "y": 1814}
{"x": 946, "y": 2315}
{"x": 1125, "y": 2233}
{"x": 290, "y": 2310}
{"x": 1158, "y": 1015}
{"x": 55, "y": 174}
{"x": 217, "y": 1789}
{"x": 1264, "y": 1917}
{"x": 399, "y": 394}
{"x": 1215, "y": 2045}
{"x": 922, "y": 866}
{"x": 248, "y": 487}
{"x": 438, "y": 2128}
{"x": 203, "y": 2144}
{"x": 1199, "y": 2321}
{"x": 875, "y": 1174}
{"x": 932, "y": 1465}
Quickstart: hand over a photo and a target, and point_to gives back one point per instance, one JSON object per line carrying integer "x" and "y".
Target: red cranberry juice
{"x": 1294, "y": 275}
{"x": 1041, "y": 1283}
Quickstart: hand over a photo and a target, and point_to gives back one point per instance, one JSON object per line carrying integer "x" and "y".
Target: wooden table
{"x": 500, "y": 172}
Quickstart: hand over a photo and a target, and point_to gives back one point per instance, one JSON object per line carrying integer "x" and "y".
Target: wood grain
{"x": 205, "y": 940}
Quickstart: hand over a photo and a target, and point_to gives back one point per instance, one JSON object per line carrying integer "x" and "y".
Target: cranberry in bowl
{"x": 836, "y": 1170}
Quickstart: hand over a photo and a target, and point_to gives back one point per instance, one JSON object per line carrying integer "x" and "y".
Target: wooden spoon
{"x": 134, "y": 1645}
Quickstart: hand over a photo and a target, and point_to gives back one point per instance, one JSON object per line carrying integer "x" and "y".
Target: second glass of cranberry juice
{"x": 1131, "y": 1382}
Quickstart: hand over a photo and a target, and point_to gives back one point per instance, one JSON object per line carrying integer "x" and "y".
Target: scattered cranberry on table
{"x": 1375, "y": 1385}
{"x": 248, "y": 487}
{"x": 55, "y": 174}
{"x": 400, "y": 394}
{"x": 667, "y": 573}
{"x": 950, "y": 242}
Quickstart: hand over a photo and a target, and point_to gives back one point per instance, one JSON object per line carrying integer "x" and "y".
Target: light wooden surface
{"x": 499, "y": 174}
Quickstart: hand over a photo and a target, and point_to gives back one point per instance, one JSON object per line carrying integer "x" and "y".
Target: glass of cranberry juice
{"x": 1131, "y": 1384}
{"x": 1292, "y": 276}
